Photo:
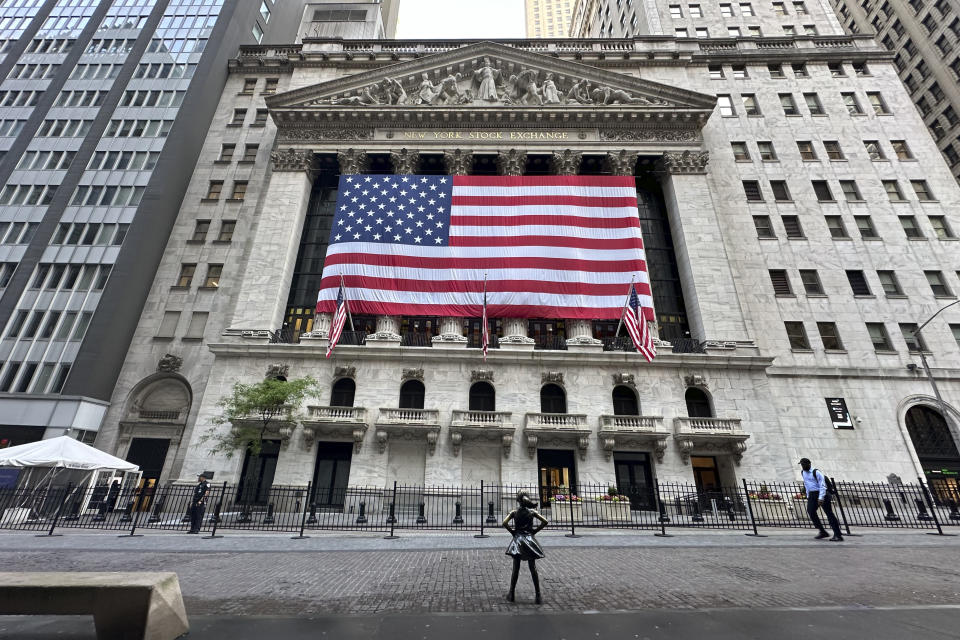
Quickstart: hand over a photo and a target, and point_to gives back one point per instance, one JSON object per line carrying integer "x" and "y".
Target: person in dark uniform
{"x": 524, "y": 546}
{"x": 198, "y": 503}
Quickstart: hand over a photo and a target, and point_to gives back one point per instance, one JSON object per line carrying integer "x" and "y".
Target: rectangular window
{"x": 890, "y": 283}
{"x": 695, "y": 11}
{"x": 780, "y": 191}
{"x": 250, "y": 152}
{"x": 739, "y": 71}
{"x": 198, "y": 322}
{"x": 955, "y": 330}
{"x": 779, "y": 9}
{"x": 914, "y": 341}
{"x": 922, "y": 190}
{"x": 186, "y": 275}
{"x": 764, "y": 227}
{"x": 879, "y": 336}
{"x": 789, "y": 105}
{"x": 239, "y": 115}
{"x": 264, "y": 12}
{"x": 780, "y": 282}
{"x": 811, "y": 282}
{"x": 829, "y": 336}
{"x": 168, "y": 326}
{"x": 822, "y": 190}
{"x": 807, "y": 152}
{"x": 733, "y": 32}
{"x": 791, "y": 224}
{"x": 836, "y": 69}
{"x": 200, "y": 231}
{"x": 892, "y": 187}
{"x": 910, "y": 228}
{"x": 937, "y": 284}
{"x": 226, "y": 152}
{"x": 261, "y": 118}
{"x": 776, "y": 71}
{"x": 752, "y": 190}
{"x": 214, "y": 271}
{"x": 214, "y": 190}
{"x": 833, "y": 149}
{"x": 866, "y": 228}
{"x": 680, "y": 32}
{"x": 858, "y": 283}
{"x": 740, "y": 151}
{"x": 836, "y": 227}
{"x": 257, "y": 32}
{"x": 767, "y": 151}
{"x": 750, "y": 105}
{"x": 239, "y": 190}
{"x": 941, "y": 227}
{"x": 226, "y": 230}
{"x": 874, "y": 150}
{"x": 851, "y": 192}
{"x": 725, "y": 104}
{"x": 675, "y": 11}
{"x": 813, "y": 104}
{"x": 726, "y": 10}
{"x": 852, "y": 104}
{"x": 799, "y": 70}
{"x": 861, "y": 69}
{"x": 901, "y": 149}
{"x": 877, "y": 102}
{"x": 797, "y": 336}
{"x": 270, "y": 87}
{"x": 249, "y": 85}
{"x": 716, "y": 71}
{"x": 746, "y": 9}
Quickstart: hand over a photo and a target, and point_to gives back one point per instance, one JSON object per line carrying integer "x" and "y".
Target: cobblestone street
{"x": 363, "y": 575}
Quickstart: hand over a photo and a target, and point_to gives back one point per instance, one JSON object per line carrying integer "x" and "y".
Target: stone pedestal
{"x": 388, "y": 331}
{"x": 580, "y": 336}
{"x": 515, "y": 335}
{"x": 451, "y": 333}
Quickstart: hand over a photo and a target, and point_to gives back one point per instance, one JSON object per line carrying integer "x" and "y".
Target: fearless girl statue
{"x": 527, "y": 523}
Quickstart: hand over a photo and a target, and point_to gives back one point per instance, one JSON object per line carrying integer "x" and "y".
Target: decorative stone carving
{"x": 405, "y": 161}
{"x": 277, "y": 370}
{"x": 381, "y": 440}
{"x": 507, "y": 441}
{"x": 553, "y": 377}
{"x": 451, "y": 331}
{"x": 458, "y": 162}
{"x": 388, "y": 328}
{"x": 292, "y": 160}
{"x": 659, "y": 449}
{"x": 481, "y": 375}
{"x": 532, "y": 440}
{"x": 894, "y": 480}
{"x": 566, "y": 162}
{"x": 685, "y": 163}
{"x": 456, "y": 439}
{"x": 306, "y": 135}
{"x": 511, "y": 162}
{"x": 358, "y": 435}
{"x": 345, "y": 372}
{"x": 580, "y": 334}
{"x": 352, "y": 161}
{"x": 412, "y": 374}
{"x": 650, "y": 135}
{"x": 169, "y": 363}
{"x": 695, "y": 380}
{"x": 583, "y": 442}
{"x": 485, "y": 80}
{"x": 624, "y": 378}
{"x": 622, "y": 163}
{"x": 432, "y": 437}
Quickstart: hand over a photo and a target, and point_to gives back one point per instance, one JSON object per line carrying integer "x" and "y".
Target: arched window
{"x": 552, "y": 399}
{"x": 342, "y": 394}
{"x": 625, "y": 401}
{"x": 411, "y": 395}
{"x": 483, "y": 397}
{"x": 698, "y": 404}
{"x": 931, "y": 436}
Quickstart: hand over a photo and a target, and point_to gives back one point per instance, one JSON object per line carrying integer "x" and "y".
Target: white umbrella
{"x": 62, "y": 453}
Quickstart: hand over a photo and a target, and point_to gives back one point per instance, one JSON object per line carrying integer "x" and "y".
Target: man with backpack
{"x": 819, "y": 496}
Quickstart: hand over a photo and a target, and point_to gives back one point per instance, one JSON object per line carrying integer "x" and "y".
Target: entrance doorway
{"x": 634, "y": 479}
{"x": 937, "y": 451}
{"x": 705, "y": 473}
{"x": 558, "y": 473}
{"x": 149, "y": 454}
{"x": 257, "y": 476}
{"x": 331, "y": 474}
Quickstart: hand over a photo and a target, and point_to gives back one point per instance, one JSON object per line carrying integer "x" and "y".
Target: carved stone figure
{"x": 549, "y": 90}
{"x": 458, "y": 162}
{"x": 352, "y": 161}
{"x": 169, "y": 364}
{"x": 428, "y": 91}
{"x": 276, "y": 371}
{"x": 511, "y": 162}
{"x": 450, "y": 90}
{"x": 622, "y": 163}
{"x": 405, "y": 161}
{"x": 566, "y": 162}
{"x": 485, "y": 82}
{"x": 393, "y": 91}
{"x": 580, "y": 92}
{"x": 525, "y": 90}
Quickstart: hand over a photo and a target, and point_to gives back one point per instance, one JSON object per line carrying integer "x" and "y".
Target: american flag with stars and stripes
{"x": 637, "y": 326}
{"x": 549, "y": 246}
{"x": 339, "y": 318}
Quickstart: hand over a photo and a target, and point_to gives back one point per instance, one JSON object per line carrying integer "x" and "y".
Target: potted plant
{"x": 564, "y": 506}
{"x": 768, "y": 505}
{"x": 799, "y": 501}
{"x": 613, "y": 507}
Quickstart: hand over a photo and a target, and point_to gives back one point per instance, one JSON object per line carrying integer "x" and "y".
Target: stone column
{"x": 708, "y": 284}
{"x": 451, "y": 333}
{"x": 405, "y": 161}
{"x": 320, "y": 334}
{"x": 272, "y": 249}
{"x": 566, "y": 162}
{"x": 458, "y": 162}
{"x": 580, "y": 336}
{"x": 511, "y": 163}
{"x": 388, "y": 331}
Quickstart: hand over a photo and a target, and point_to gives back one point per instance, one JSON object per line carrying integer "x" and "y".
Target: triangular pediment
{"x": 491, "y": 76}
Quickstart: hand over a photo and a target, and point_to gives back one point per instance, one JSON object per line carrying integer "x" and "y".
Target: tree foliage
{"x": 251, "y": 409}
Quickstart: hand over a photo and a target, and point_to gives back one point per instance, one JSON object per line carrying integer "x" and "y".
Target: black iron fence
{"x": 297, "y": 509}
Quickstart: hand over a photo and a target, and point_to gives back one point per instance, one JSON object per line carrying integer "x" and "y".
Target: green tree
{"x": 251, "y": 410}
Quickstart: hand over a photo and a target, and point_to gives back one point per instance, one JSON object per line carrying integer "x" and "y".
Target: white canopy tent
{"x": 66, "y": 462}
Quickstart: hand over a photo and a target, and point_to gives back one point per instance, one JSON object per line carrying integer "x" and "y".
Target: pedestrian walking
{"x": 198, "y": 503}
{"x": 524, "y": 546}
{"x": 818, "y": 496}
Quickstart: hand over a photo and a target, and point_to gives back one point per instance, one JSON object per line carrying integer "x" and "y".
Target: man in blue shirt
{"x": 818, "y": 496}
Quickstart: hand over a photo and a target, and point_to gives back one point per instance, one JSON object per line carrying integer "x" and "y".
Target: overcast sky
{"x": 460, "y": 19}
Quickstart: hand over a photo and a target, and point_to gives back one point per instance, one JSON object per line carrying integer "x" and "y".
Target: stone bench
{"x": 125, "y": 605}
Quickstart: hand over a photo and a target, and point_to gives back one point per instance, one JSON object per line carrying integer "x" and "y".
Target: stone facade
{"x": 766, "y": 396}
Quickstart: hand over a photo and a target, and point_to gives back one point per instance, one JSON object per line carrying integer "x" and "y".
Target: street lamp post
{"x": 926, "y": 367}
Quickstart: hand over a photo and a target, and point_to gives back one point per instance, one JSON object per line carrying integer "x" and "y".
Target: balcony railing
{"x": 550, "y": 343}
{"x": 409, "y": 416}
{"x": 155, "y": 414}
{"x": 557, "y": 420}
{"x": 492, "y": 419}
{"x": 353, "y": 338}
{"x": 687, "y": 345}
{"x": 631, "y": 423}
{"x": 337, "y": 414}
{"x": 619, "y": 343}
{"x": 708, "y": 426}
{"x": 473, "y": 341}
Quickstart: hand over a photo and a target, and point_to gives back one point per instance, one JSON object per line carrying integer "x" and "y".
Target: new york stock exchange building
{"x": 797, "y": 224}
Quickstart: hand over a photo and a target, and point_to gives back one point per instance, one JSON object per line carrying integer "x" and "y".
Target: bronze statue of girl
{"x": 524, "y": 546}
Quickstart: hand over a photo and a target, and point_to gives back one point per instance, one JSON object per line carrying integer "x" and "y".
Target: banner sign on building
{"x": 839, "y": 414}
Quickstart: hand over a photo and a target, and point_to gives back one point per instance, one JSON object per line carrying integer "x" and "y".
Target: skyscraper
{"x": 548, "y": 18}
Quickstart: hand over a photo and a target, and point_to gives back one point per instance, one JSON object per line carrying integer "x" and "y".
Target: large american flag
{"x": 550, "y": 246}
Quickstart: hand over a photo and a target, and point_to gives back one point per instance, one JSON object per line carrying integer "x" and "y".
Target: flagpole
{"x": 484, "y": 330}
{"x": 347, "y": 304}
{"x": 622, "y": 311}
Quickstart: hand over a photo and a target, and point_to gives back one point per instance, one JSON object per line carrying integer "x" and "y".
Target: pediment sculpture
{"x": 488, "y": 84}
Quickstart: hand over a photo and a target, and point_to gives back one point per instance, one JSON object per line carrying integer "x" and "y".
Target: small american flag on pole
{"x": 637, "y": 326}
{"x": 339, "y": 319}
{"x": 485, "y": 330}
